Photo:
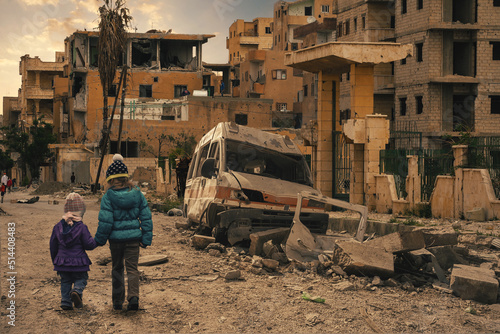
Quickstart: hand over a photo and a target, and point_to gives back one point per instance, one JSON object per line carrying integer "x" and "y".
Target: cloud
{"x": 8, "y": 62}
{"x": 91, "y": 6}
{"x": 38, "y": 2}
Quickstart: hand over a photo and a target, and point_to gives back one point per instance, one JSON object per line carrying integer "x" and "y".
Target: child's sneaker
{"x": 133, "y": 304}
{"x": 66, "y": 307}
{"x": 76, "y": 298}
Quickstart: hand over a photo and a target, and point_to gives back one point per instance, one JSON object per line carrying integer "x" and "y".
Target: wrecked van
{"x": 243, "y": 180}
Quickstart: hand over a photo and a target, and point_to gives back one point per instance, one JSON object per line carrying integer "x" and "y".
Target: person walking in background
{"x": 125, "y": 220}
{"x": 9, "y": 185}
{"x": 3, "y": 188}
{"x": 73, "y": 177}
{"x": 70, "y": 238}
{"x": 4, "y": 179}
{"x": 222, "y": 88}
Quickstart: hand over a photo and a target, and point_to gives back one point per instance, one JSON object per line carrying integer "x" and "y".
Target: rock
{"x": 439, "y": 237}
{"x": 476, "y": 214}
{"x": 231, "y": 275}
{"x": 151, "y": 260}
{"x": 280, "y": 257}
{"x": 391, "y": 282}
{"x": 408, "y": 286}
{"x": 257, "y": 262}
{"x": 344, "y": 286}
{"x": 257, "y": 271}
{"x": 399, "y": 241}
{"x": 214, "y": 252}
{"x": 217, "y": 246}
{"x": 270, "y": 264}
{"x": 182, "y": 224}
{"x": 377, "y": 281}
{"x": 201, "y": 241}
{"x": 357, "y": 258}
{"x": 269, "y": 248}
{"x": 324, "y": 259}
{"x": 442, "y": 287}
{"x": 258, "y": 239}
{"x": 312, "y": 319}
{"x": 446, "y": 256}
{"x": 337, "y": 270}
{"x": 495, "y": 243}
{"x": 474, "y": 283}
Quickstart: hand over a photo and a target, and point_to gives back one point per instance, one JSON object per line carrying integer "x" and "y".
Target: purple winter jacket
{"x": 68, "y": 245}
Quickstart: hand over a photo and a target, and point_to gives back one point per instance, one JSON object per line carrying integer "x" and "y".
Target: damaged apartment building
{"x": 161, "y": 65}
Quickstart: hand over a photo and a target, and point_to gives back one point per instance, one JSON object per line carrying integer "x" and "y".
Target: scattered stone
{"x": 399, "y": 241}
{"x": 201, "y": 241}
{"x": 280, "y": 257}
{"x": 174, "y": 212}
{"x": 324, "y": 259}
{"x": 269, "y": 248}
{"x": 442, "y": 287}
{"x": 217, "y": 246}
{"x": 408, "y": 286}
{"x": 446, "y": 256}
{"x": 257, "y": 262}
{"x": 214, "y": 252}
{"x": 344, "y": 286}
{"x": 439, "y": 237}
{"x": 257, "y": 271}
{"x": 357, "y": 258}
{"x": 377, "y": 281}
{"x": 231, "y": 275}
{"x": 339, "y": 271}
{"x": 270, "y": 264}
{"x": 474, "y": 283}
{"x": 495, "y": 243}
{"x": 476, "y": 214}
{"x": 312, "y": 319}
{"x": 257, "y": 240}
{"x": 182, "y": 224}
{"x": 391, "y": 282}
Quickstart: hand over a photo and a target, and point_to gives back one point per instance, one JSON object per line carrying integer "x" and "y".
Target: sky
{"x": 39, "y": 27}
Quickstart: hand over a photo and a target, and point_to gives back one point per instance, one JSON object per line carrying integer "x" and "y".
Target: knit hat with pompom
{"x": 117, "y": 168}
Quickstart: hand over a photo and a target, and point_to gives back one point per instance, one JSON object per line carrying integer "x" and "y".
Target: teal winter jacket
{"x": 124, "y": 216}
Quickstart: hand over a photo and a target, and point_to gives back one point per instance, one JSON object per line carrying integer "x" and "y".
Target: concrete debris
{"x": 280, "y": 257}
{"x": 214, "y": 252}
{"x": 201, "y": 241}
{"x": 399, "y": 241}
{"x": 476, "y": 214}
{"x": 270, "y": 264}
{"x": 258, "y": 239}
{"x": 269, "y": 248}
{"x": 344, "y": 286}
{"x": 217, "y": 246}
{"x": 377, "y": 281}
{"x": 391, "y": 282}
{"x": 231, "y": 275}
{"x": 339, "y": 271}
{"x": 495, "y": 243}
{"x": 446, "y": 256}
{"x": 442, "y": 287}
{"x": 182, "y": 224}
{"x": 174, "y": 212}
{"x": 473, "y": 283}
{"x": 151, "y": 260}
{"x": 257, "y": 262}
{"x": 357, "y": 258}
{"x": 439, "y": 237}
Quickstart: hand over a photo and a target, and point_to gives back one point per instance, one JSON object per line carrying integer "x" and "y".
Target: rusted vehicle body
{"x": 243, "y": 180}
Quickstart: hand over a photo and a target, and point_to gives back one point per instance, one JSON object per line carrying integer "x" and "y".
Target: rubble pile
{"x": 411, "y": 260}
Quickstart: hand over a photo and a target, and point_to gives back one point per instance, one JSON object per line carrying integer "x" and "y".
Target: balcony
{"x": 37, "y": 93}
{"x": 257, "y": 56}
{"x": 258, "y": 88}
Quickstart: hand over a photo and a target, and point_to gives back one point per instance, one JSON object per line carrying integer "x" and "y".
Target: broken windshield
{"x": 252, "y": 159}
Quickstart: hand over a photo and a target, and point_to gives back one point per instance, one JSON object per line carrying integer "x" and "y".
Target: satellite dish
{"x": 311, "y": 19}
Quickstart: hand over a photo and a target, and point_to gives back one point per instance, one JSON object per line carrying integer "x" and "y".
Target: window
{"x": 268, "y": 30}
{"x": 178, "y": 89}
{"x": 495, "y": 104}
{"x": 496, "y": 3}
{"x": 496, "y": 50}
{"x": 304, "y": 88}
{"x": 280, "y": 106}
{"x": 325, "y": 8}
{"x": 419, "y": 47}
{"x": 168, "y": 113}
{"x": 403, "y": 61}
{"x": 340, "y": 28}
{"x": 393, "y": 21}
{"x": 402, "y": 106}
{"x": 241, "y": 119}
{"x": 279, "y": 74}
{"x": 355, "y": 21}
{"x": 419, "y": 105}
{"x": 155, "y": 79}
{"x": 308, "y": 11}
{"x": 403, "y": 6}
{"x": 420, "y": 4}
{"x": 363, "y": 22}
{"x": 347, "y": 26}
{"x": 145, "y": 91}
{"x": 295, "y": 46}
{"x": 246, "y": 76}
{"x": 112, "y": 91}
{"x": 203, "y": 156}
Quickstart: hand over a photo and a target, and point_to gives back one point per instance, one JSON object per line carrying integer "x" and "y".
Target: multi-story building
{"x": 35, "y": 97}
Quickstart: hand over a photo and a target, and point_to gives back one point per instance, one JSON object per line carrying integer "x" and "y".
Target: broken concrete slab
{"x": 357, "y": 258}
{"x": 201, "y": 241}
{"x": 270, "y": 264}
{"x": 476, "y": 214}
{"x": 446, "y": 256}
{"x": 182, "y": 224}
{"x": 344, "y": 286}
{"x": 442, "y": 287}
{"x": 231, "y": 275}
{"x": 422, "y": 256}
{"x": 399, "y": 241}
{"x": 439, "y": 237}
{"x": 473, "y": 283}
{"x": 258, "y": 239}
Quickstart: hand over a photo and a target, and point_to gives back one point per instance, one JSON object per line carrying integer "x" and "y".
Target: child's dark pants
{"x": 72, "y": 281}
{"x": 128, "y": 253}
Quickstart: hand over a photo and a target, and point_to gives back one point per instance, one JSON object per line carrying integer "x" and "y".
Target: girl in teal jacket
{"x": 124, "y": 220}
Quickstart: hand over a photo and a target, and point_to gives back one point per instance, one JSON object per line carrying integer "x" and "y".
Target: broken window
{"x": 178, "y": 89}
{"x": 464, "y": 58}
{"x": 393, "y": 21}
{"x": 355, "y": 21}
{"x": 144, "y": 52}
{"x": 145, "y": 91}
{"x": 347, "y": 26}
{"x": 402, "y": 106}
{"x": 463, "y": 107}
{"x": 464, "y": 11}
{"x": 203, "y": 156}
{"x": 94, "y": 52}
{"x": 496, "y": 50}
{"x": 495, "y": 104}
{"x": 308, "y": 10}
{"x": 403, "y": 6}
{"x": 419, "y": 47}
{"x": 403, "y": 61}
{"x": 241, "y": 119}
{"x": 419, "y": 104}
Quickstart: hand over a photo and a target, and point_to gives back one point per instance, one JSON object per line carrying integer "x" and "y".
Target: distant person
{"x": 73, "y": 177}
{"x": 222, "y": 88}
{"x": 4, "y": 179}
{"x": 185, "y": 92}
{"x": 70, "y": 238}
{"x": 125, "y": 220}
{"x": 9, "y": 185}
{"x": 3, "y": 188}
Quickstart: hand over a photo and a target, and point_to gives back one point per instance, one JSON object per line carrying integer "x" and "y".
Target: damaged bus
{"x": 243, "y": 180}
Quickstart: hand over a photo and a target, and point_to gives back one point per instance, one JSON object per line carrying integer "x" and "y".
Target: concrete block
{"x": 446, "y": 256}
{"x": 476, "y": 214}
{"x": 399, "y": 241}
{"x": 258, "y": 239}
{"x": 474, "y": 283}
{"x": 270, "y": 264}
{"x": 357, "y": 258}
{"x": 201, "y": 241}
{"x": 439, "y": 237}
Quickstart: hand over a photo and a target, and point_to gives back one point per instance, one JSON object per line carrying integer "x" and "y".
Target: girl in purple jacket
{"x": 70, "y": 238}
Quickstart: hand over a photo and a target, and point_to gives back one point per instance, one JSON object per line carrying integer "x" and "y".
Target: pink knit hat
{"x": 74, "y": 203}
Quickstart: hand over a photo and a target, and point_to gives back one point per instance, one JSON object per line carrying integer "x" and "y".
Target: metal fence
{"x": 484, "y": 152}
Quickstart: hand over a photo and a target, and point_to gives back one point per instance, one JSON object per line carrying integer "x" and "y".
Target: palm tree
{"x": 114, "y": 19}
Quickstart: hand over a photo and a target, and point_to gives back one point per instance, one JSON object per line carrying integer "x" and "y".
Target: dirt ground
{"x": 187, "y": 295}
